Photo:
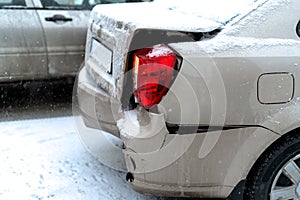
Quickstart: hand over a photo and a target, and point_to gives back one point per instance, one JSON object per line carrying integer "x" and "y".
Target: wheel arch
{"x": 293, "y": 133}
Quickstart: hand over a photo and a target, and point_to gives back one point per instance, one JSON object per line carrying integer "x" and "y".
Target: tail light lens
{"x": 153, "y": 70}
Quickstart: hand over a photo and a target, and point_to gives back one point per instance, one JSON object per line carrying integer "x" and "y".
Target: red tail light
{"x": 152, "y": 74}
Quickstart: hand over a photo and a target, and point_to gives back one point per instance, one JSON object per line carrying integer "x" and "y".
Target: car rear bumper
{"x": 177, "y": 168}
{"x": 97, "y": 109}
{"x": 169, "y": 164}
{"x": 175, "y": 191}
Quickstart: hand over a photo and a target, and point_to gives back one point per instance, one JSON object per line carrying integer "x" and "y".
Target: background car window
{"x": 76, "y": 4}
{"x": 12, "y": 3}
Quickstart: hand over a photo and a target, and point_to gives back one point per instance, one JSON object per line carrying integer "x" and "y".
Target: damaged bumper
{"x": 154, "y": 156}
{"x": 97, "y": 108}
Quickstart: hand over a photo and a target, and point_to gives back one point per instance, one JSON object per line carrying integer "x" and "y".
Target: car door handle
{"x": 56, "y": 18}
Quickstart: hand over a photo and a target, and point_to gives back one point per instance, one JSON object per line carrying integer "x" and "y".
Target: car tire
{"x": 276, "y": 174}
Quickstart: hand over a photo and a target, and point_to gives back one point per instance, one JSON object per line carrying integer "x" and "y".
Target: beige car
{"x": 204, "y": 94}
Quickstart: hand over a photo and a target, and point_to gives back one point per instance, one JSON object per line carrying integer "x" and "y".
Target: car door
{"x": 65, "y": 25}
{"x": 22, "y": 45}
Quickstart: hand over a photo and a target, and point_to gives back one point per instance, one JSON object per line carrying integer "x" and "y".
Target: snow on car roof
{"x": 188, "y": 15}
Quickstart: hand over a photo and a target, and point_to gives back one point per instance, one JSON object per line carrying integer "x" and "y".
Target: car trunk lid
{"x": 121, "y": 28}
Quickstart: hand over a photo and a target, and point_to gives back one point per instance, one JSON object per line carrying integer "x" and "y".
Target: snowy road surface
{"x": 44, "y": 159}
{"x": 42, "y": 156}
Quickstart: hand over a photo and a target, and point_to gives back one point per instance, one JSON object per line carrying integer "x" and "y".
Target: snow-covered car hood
{"x": 177, "y": 15}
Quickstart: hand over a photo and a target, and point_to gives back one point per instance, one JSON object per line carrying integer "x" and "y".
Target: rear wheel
{"x": 286, "y": 184}
{"x": 276, "y": 175}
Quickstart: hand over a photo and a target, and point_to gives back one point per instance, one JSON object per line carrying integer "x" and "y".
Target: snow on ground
{"x": 44, "y": 159}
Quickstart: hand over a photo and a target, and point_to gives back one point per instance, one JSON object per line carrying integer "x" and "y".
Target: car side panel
{"x": 65, "y": 40}
{"x": 22, "y": 45}
{"x": 221, "y": 99}
{"x": 274, "y": 20}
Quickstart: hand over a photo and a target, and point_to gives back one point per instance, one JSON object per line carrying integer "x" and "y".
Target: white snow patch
{"x": 189, "y": 15}
{"x": 217, "y": 10}
{"x": 129, "y": 125}
{"x": 159, "y": 50}
{"x": 262, "y": 7}
{"x": 44, "y": 159}
{"x": 225, "y": 43}
{"x": 152, "y": 15}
